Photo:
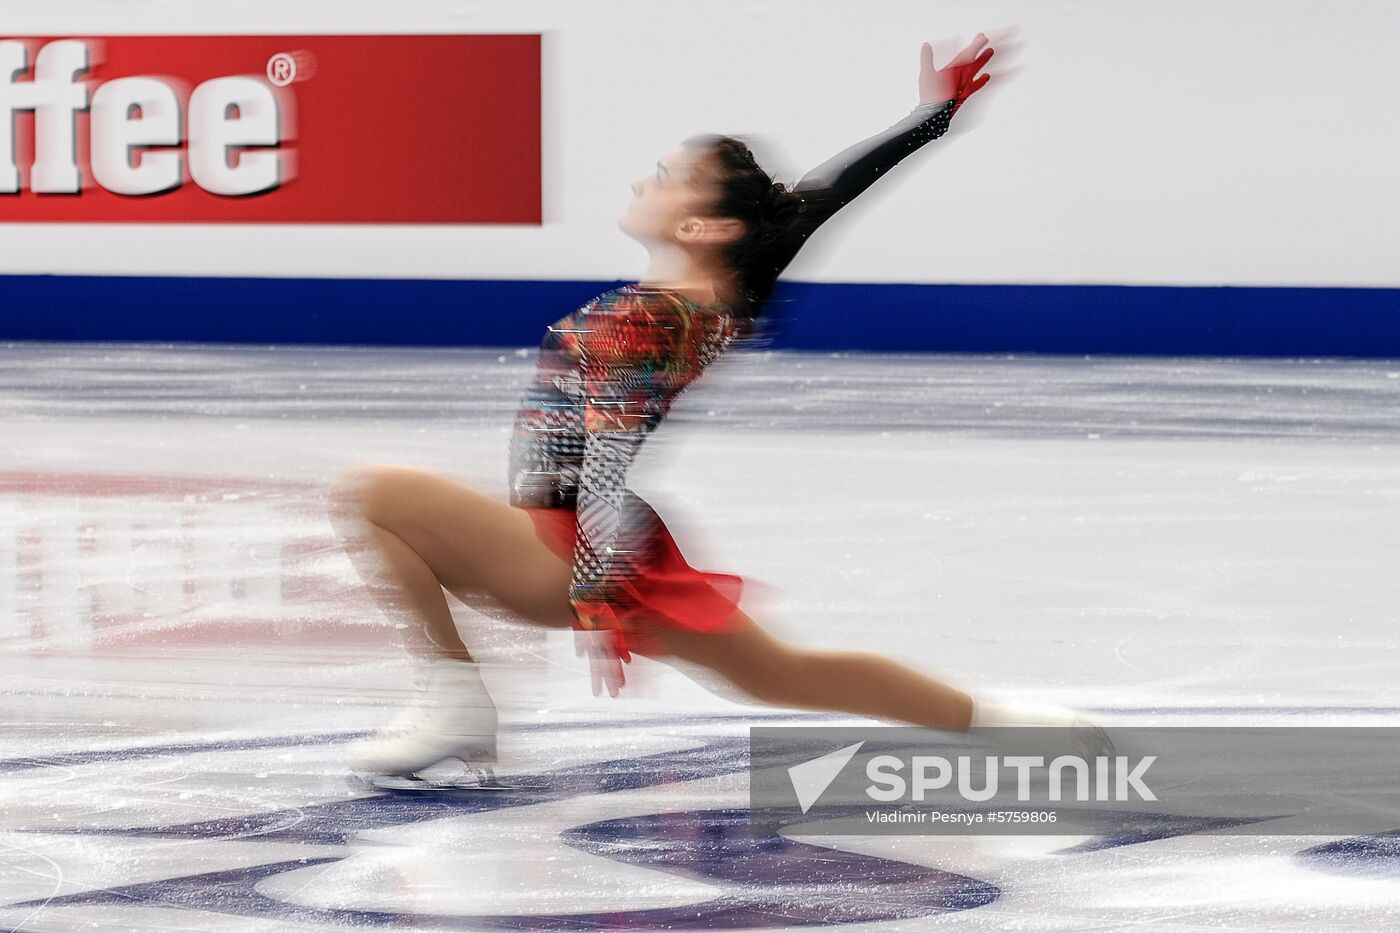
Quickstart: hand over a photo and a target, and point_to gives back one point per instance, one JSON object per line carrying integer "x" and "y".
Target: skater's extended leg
{"x": 860, "y": 683}
{"x": 856, "y": 682}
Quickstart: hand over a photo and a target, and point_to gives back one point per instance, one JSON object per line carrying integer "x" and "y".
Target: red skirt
{"x": 666, "y": 590}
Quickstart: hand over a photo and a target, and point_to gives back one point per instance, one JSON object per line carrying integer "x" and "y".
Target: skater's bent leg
{"x": 412, "y": 534}
{"x": 853, "y": 682}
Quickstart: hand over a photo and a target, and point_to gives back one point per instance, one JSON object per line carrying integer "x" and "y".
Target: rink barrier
{"x": 1061, "y": 319}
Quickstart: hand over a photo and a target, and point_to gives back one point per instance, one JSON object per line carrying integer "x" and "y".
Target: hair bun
{"x": 779, "y": 206}
{"x": 748, "y": 193}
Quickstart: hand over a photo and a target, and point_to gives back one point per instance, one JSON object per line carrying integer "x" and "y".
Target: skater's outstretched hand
{"x": 596, "y": 636}
{"x": 957, "y": 79}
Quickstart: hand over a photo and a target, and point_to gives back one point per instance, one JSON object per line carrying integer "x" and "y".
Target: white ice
{"x": 1160, "y": 540}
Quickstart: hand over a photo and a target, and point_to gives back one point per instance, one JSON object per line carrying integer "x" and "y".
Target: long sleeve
{"x": 546, "y": 449}
{"x": 841, "y": 179}
{"x": 845, "y": 176}
{"x": 611, "y": 530}
{"x": 633, "y": 364}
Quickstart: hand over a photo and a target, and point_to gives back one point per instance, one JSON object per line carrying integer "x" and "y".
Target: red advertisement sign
{"x": 270, "y": 129}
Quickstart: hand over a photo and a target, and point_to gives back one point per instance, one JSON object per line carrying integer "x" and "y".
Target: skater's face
{"x": 662, "y": 199}
{"x": 672, "y": 204}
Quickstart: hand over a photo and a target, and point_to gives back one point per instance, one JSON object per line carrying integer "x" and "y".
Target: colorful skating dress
{"x": 607, "y": 375}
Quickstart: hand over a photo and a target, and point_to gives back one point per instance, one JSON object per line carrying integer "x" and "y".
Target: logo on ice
{"x": 1100, "y": 779}
{"x": 233, "y": 125}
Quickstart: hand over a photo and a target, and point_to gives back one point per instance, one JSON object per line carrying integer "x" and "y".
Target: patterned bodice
{"x": 607, "y": 375}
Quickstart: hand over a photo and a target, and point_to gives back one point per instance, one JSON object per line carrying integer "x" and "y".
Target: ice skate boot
{"x": 451, "y": 718}
{"x": 1089, "y": 739}
{"x": 1073, "y": 732}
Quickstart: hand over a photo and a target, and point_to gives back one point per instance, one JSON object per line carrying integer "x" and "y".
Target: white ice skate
{"x": 451, "y": 718}
{"x": 1089, "y": 739}
{"x": 1075, "y": 734}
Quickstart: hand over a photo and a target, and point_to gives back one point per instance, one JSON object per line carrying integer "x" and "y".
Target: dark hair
{"x": 767, "y": 209}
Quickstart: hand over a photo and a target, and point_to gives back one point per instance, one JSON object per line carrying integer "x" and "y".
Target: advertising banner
{"x": 271, "y": 129}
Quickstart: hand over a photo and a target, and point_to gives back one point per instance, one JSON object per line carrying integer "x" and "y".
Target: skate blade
{"x": 476, "y": 779}
{"x": 1091, "y": 741}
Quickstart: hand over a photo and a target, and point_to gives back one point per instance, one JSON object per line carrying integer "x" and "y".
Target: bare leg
{"x": 854, "y": 682}
{"x": 413, "y": 533}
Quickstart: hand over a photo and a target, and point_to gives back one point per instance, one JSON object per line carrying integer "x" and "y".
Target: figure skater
{"x": 574, "y": 547}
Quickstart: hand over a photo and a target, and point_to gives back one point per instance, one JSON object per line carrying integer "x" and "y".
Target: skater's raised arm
{"x": 841, "y": 179}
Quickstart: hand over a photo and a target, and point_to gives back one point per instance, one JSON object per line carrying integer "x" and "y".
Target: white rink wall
{"x": 1141, "y": 142}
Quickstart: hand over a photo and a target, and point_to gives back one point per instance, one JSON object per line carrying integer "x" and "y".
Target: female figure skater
{"x": 574, "y": 547}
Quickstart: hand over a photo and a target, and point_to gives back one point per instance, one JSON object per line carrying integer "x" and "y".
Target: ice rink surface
{"x": 186, "y": 649}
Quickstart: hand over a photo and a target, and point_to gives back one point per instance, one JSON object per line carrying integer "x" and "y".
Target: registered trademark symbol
{"x": 282, "y": 69}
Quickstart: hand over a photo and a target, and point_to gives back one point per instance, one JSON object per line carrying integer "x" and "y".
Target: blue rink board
{"x": 1097, "y": 319}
